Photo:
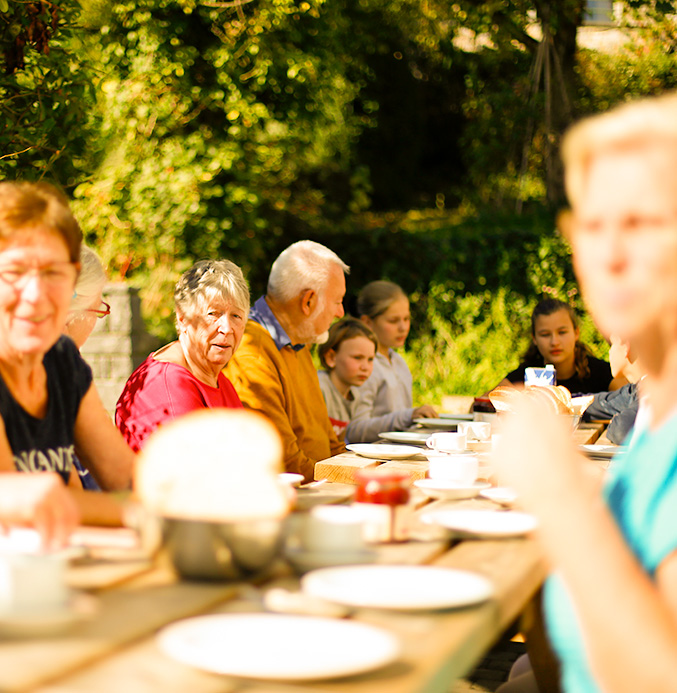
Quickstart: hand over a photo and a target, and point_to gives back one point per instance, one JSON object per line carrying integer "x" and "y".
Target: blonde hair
{"x": 645, "y": 121}
{"x": 376, "y": 297}
{"x": 339, "y": 332}
{"x": 25, "y": 206}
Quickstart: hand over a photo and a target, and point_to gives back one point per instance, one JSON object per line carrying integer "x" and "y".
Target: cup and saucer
{"x": 453, "y": 470}
{"x": 329, "y": 535}
{"x": 34, "y": 597}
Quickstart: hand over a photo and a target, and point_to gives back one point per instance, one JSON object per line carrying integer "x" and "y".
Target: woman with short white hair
{"x": 212, "y": 305}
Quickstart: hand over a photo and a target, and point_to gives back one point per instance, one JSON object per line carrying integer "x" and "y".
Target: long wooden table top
{"x": 341, "y": 468}
{"x": 116, "y": 649}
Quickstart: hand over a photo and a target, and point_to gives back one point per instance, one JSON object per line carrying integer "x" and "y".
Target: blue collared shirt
{"x": 262, "y": 314}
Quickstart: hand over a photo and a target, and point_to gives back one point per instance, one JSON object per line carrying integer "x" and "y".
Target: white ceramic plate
{"x": 407, "y": 437}
{"x": 291, "y": 479}
{"x": 400, "y": 587}
{"x": 272, "y": 646}
{"x": 499, "y": 494}
{"x": 447, "y": 490}
{"x": 458, "y": 417}
{"x": 483, "y": 523}
{"x": 437, "y": 424}
{"x": 605, "y": 451}
{"x": 380, "y": 451}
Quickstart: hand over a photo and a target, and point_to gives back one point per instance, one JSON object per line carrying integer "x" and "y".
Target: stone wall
{"x": 118, "y": 344}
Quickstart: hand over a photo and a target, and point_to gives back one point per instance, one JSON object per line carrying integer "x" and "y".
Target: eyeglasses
{"x": 100, "y": 312}
{"x": 58, "y": 274}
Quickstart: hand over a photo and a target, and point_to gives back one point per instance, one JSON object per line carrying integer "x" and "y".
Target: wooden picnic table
{"x": 117, "y": 650}
{"x": 341, "y": 468}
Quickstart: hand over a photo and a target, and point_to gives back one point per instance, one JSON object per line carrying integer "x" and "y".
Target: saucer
{"x": 440, "y": 489}
{"x": 44, "y": 621}
{"x": 406, "y": 437}
{"x": 500, "y": 494}
{"x": 483, "y": 523}
{"x": 303, "y": 561}
{"x": 291, "y": 479}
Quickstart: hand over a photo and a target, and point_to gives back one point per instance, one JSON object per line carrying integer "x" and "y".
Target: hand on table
{"x": 537, "y": 457}
{"x": 39, "y": 500}
{"x": 424, "y": 412}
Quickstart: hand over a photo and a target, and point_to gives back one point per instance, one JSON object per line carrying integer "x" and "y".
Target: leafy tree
{"x": 223, "y": 129}
{"x": 44, "y": 92}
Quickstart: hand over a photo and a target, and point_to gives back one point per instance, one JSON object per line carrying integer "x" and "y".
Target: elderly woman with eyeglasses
{"x": 50, "y": 410}
{"x": 87, "y": 304}
{"x": 212, "y": 306}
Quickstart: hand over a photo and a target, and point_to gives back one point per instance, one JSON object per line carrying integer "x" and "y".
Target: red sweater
{"x": 158, "y": 391}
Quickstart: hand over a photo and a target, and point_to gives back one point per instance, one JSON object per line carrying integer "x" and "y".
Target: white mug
{"x": 32, "y": 582}
{"x": 475, "y": 430}
{"x": 458, "y": 468}
{"x": 333, "y": 528}
{"x": 447, "y": 442}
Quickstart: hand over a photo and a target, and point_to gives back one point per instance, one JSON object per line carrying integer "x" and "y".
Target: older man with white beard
{"x": 273, "y": 371}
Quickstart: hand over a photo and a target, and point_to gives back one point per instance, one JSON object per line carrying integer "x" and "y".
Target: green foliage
{"x": 471, "y": 345}
{"x": 44, "y": 92}
{"x": 472, "y": 283}
{"x": 220, "y": 133}
{"x": 640, "y": 69}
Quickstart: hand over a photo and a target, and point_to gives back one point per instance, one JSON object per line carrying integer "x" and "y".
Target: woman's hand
{"x": 39, "y": 500}
{"x": 537, "y": 457}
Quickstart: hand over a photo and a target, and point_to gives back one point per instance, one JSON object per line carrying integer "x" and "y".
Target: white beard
{"x": 321, "y": 338}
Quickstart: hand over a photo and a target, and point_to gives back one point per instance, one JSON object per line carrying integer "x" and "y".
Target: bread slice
{"x": 215, "y": 465}
{"x": 556, "y": 398}
{"x": 504, "y": 397}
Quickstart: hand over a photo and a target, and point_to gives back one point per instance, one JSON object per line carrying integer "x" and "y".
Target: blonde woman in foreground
{"x": 611, "y": 605}
{"x": 50, "y": 410}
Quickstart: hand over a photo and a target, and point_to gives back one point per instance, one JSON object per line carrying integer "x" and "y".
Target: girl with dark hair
{"x": 555, "y": 339}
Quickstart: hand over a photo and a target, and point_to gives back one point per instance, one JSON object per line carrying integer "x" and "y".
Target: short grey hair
{"x": 207, "y": 280}
{"x": 641, "y": 122}
{"x": 90, "y": 282}
{"x": 303, "y": 266}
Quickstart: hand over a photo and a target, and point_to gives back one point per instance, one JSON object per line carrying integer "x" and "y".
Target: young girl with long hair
{"x": 386, "y": 398}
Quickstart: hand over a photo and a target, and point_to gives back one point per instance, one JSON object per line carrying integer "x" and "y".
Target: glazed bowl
{"x": 203, "y": 550}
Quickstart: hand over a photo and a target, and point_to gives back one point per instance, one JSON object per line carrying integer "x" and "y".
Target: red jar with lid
{"x": 384, "y": 494}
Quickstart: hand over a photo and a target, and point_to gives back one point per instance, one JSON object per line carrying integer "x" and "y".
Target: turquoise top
{"x": 641, "y": 492}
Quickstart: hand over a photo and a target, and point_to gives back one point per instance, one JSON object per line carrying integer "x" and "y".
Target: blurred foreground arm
{"x": 39, "y": 500}
{"x": 628, "y": 618}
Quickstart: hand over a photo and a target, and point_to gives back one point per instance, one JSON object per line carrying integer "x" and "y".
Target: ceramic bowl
{"x": 222, "y": 550}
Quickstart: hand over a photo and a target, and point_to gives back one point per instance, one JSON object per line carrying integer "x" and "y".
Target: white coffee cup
{"x": 32, "y": 582}
{"x": 475, "y": 430}
{"x": 459, "y": 468}
{"x": 333, "y": 528}
{"x": 447, "y": 442}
